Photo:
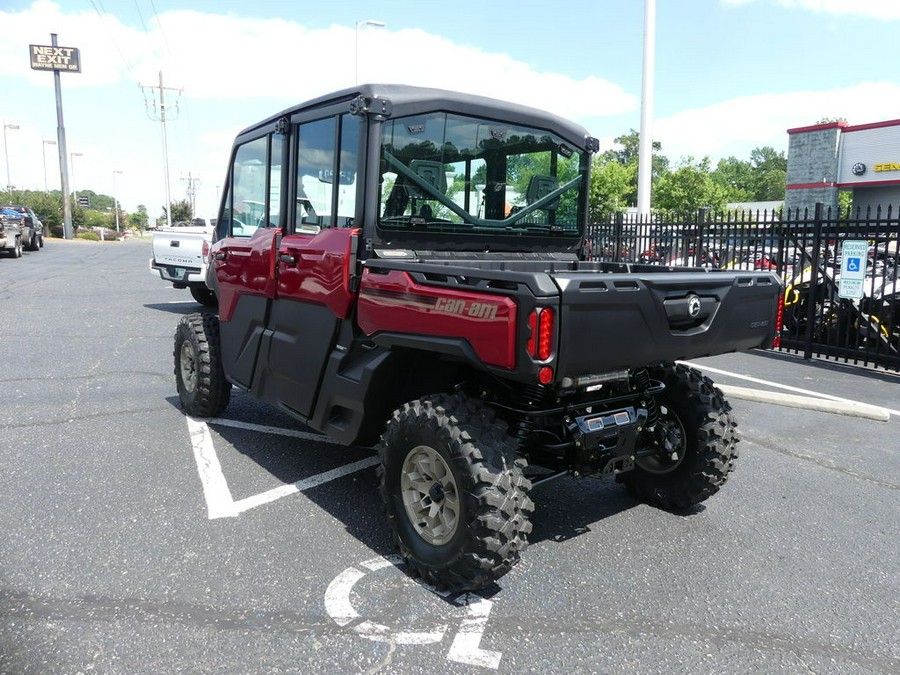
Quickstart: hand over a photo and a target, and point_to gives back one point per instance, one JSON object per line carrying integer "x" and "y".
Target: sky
{"x": 729, "y": 75}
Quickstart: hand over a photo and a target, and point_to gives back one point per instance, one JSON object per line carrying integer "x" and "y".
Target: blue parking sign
{"x": 854, "y": 255}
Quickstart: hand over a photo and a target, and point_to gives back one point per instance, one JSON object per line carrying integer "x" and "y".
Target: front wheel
{"x": 199, "y": 377}
{"x": 695, "y": 441}
{"x": 454, "y": 491}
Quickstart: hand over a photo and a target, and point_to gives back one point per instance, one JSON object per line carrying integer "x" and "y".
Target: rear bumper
{"x": 178, "y": 275}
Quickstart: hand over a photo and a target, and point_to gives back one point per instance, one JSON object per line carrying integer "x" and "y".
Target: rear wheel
{"x": 697, "y": 440}
{"x": 454, "y": 492}
{"x": 204, "y": 296}
{"x": 16, "y": 251}
{"x": 199, "y": 377}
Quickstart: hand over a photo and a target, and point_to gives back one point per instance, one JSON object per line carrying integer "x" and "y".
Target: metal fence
{"x": 804, "y": 248}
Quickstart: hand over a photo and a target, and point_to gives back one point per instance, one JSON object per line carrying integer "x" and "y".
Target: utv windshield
{"x": 445, "y": 173}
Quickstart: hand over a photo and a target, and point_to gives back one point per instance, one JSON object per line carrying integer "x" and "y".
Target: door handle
{"x": 287, "y": 259}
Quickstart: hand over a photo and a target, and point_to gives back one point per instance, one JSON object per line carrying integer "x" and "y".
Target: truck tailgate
{"x": 182, "y": 249}
{"x": 614, "y": 321}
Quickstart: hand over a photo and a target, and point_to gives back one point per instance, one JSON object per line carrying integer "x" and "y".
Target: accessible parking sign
{"x": 854, "y": 255}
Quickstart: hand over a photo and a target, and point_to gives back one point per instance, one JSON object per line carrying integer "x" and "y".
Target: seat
{"x": 431, "y": 172}
{"x": 539, "y": 187}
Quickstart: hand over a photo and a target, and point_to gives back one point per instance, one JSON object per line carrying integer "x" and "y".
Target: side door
{"x": 315, "y": 261}
{"x": 244, "y": 255}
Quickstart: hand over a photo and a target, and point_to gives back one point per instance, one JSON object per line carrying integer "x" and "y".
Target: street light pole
{"x": 72, "y": 156}
{"x": 116, "y": 198}
{"x": 6, "y": 151}
{"x": 367, "y": 22}
{"x": 44, "y": 157}
{"x": 645, "y": 144}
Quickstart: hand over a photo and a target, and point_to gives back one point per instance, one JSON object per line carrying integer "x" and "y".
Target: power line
{"x": 102, "y": 15}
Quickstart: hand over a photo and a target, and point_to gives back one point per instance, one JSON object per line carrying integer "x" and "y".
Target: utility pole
{"x": 162, "y": 108}
{"x": 192, "y": 184}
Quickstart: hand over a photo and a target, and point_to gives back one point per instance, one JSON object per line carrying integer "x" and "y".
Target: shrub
{"x": 90, "y": 236}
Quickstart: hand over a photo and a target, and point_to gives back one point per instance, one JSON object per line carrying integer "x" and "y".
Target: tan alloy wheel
{"x": 430, "y": 495}
{"x": 188, "y": 367}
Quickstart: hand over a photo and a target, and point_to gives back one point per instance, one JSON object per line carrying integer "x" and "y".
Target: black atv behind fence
{"x": 805, "y": 249}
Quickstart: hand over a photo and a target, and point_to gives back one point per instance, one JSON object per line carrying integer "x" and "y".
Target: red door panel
{"x": 244, "y": 267}
{"x": 316, "y": 268}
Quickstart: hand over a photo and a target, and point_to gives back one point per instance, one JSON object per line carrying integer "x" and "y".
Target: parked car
{"x": 33, "y": 232}
{"x": 11, "y": 225}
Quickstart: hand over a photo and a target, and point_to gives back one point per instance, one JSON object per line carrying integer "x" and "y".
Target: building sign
{"x": 48, "y": 57}
{"x": 854, "y": 257}
{"x": 886, "y": 166}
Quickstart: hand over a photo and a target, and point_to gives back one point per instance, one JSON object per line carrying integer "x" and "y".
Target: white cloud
{"x": 736, "y": 126}
{"x": 876, "y": 9}
{"x": 233, "y": 71}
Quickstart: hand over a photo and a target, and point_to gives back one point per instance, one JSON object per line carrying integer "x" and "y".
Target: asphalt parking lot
{"x": 137, "y": 540}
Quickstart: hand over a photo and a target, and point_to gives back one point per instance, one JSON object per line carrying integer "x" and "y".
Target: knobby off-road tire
{"x": 204, "y": 296}
{"x": 454, "y": 491}
{"x": 695, "y": 422}
{"x": 202, "y": 387}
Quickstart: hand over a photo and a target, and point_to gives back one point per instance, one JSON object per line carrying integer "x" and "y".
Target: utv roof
{"x": 409, "y": 100}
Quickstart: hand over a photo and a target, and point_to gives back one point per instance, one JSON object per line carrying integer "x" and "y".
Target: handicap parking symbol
{"x": 854, "y": 264}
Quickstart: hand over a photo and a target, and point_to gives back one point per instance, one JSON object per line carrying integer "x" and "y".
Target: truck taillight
{"x": 205, "y": 250}
{"x": 540, "y": 339}
{"x": 545, "y": 334}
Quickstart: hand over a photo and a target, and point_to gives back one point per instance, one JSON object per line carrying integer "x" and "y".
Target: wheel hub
{"x": 436, "y": 493}
{"x": 670, "y": 441}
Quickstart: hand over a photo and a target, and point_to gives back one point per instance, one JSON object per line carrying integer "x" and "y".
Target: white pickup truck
{"x": 180, "y": 255}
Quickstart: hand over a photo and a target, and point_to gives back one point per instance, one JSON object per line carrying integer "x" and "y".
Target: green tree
{"x": 611, "y": 184}
{"x": 688, "y": 188}
{"x": 769, "y": 173}
{"x": 94, "y": 218}
{"x": 627, "y": 155}
{"x": 736, "y": 177}
{"x": 139, "y": 218}
{"x": 181, "y": 211}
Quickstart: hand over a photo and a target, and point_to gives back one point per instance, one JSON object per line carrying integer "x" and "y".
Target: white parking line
{"x": 304, "y": 484}
{"x": 786, "y": 387}
{"x": 250, "y": 426}
{"x": 219, "y": 501}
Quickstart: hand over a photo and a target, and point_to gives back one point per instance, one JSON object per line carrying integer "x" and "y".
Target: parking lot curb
{"x": 848, "y": 408}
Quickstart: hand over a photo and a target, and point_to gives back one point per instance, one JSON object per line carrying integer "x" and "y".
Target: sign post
{"x": 57, "y": 59}
{"x": 854, "y": 257}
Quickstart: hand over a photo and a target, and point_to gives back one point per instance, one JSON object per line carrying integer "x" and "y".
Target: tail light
{"x": 205, "y": 250}
{"x": 545, "y": 334}
{"x": 541, "y": 327}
